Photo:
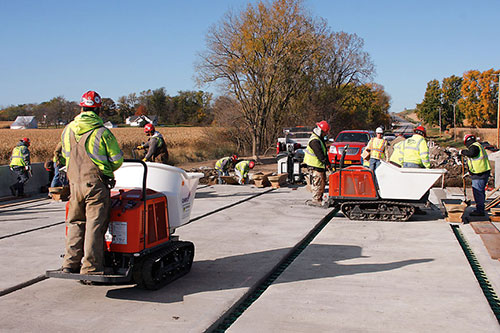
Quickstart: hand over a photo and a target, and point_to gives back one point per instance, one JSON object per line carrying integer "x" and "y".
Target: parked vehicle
{"x": 293, "y": 138}
{"x": 356, "y": 140}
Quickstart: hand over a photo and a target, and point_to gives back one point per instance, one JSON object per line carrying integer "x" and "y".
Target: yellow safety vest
{"x": 243, "y": 167}
{"x": 19, "y": 153}
{"x": 416, "y": 151}
{"x": 222, "y": 164}
{"x": 398, "y": 153}
{"x": 481, "y": 163}
{"x": 309, "y": 157}
{"x": 377, "y": 147}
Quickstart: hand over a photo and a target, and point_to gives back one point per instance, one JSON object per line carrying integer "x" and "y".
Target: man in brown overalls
{"x": 91, "y": 154}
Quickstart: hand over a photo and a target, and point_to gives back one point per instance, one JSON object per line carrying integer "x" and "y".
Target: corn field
{"x": 185, "y": 144}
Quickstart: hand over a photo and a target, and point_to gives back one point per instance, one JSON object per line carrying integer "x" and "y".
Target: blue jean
{"x": 222, "y": 173}
{"x": 479, "y": 191}
{"x": 374, "y": 163}
{"x": 22, "y": 177}
{"x": 412, "y": 165}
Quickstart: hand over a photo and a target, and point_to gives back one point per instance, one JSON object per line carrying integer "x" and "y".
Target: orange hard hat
{"x": 323, "y": 125}
{"x": 91, "y": 99}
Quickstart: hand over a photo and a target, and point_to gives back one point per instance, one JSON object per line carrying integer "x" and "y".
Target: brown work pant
{"x": 318, "y": 181}
{"x": 87, "y": 222}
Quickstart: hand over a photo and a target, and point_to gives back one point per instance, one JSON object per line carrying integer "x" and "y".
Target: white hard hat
{"x": 379, "y": 130}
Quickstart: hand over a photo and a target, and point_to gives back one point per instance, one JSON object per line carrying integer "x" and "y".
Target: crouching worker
{"x": 479, "y": 169}
{"x": 241, "y": 169}
{"x": 91, "y": 154}
{"x": 156, "y": 146}
{"x": 223, "y": 165}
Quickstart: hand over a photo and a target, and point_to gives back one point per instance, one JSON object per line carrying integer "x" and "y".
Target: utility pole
{"x": 454, "y": 123}
{"x": 440, "y": 121}
{"x": 498, "y": 112}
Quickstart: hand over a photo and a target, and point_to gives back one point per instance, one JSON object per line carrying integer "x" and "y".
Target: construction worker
{"x": 416, "y": 152}
{"x": 157, "y": 148}
{"x": 479, "y": 169}
{"x": 398, "y": 153}
{"x": 241, "y": 169}
{"x": 316, "y": 158}
{"x": 390, "y": 147}
{"x": 223, "y": 165}
{"x": 91, "y": 154}
{"x": 20, "y": 164}
{"x": 377, "y": 147}
{"x": 59, "y": 178}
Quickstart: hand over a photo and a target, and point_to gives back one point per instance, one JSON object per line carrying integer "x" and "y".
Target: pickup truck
{"x": 293, "y": 138}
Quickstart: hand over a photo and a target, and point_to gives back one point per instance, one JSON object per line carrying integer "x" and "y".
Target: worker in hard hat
{"x": 479, "y": 169}
{"x": 390, "y": 146}
{"x": 377, "y": 147}
{"x": 316, "y": 159}
{"x": 398, "y": 153}
{"x": 156, "y": 146}
{"x": 416, "y": 152}
{"x": 20, "y": 164}
{"x": 223, "y": 165}
{"x": 91, "y": 154}
{"x": 241, "y": 170}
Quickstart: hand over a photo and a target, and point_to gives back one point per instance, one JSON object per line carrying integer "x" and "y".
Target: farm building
{"x": 109, "y": 124}
{"x": 141, "y": 120}
{"x": 24, "y": 122}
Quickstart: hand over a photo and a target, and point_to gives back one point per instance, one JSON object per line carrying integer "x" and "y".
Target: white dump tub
{"x": 176, "y": 184}
{"x": 405, "y": 183}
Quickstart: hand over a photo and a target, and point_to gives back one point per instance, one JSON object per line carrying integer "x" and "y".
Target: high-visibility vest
{"x": 159, "y": 139}
{"x": 243, "y": 167}
{"x": 377, "y": 147}
{"x": 416, "y": 151}
{"x": 309, "y": 157}
{"x": 101, "y": 146}
{"x": 20, "y": 156}
{"x": 222, "y": 164}
{"x": 480, "y": 163}
{"x": 398, "y": 153}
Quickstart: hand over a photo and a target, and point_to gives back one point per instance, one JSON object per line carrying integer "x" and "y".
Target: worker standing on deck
{"x": 20, "y": 164}
{"x": 316, "y": 158}
{"x": 416, "y": 152}
{"x": 91, "y": 154}
{"x": 241, "y": 169}
{"x": 157, "y": 148}
{"x": 479, "y": 169}
{"x": 223, "y": 165}
{"x": 397, "y": 154}
{"x": 377, "y": 147}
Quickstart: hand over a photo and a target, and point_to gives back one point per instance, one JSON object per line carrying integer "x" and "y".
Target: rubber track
{"x": 393, "y": 203}
{"x": 481, "y": 277}
{"x": 254, "y": 293}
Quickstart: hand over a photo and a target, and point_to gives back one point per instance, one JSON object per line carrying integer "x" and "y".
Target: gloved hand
{"x": 140, "y": 147}
{"x": 460, "y": 152}
{"x": 144, "y": 159}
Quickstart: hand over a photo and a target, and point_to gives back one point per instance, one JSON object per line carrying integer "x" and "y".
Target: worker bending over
{"x": 316, "y": 158}
{"x": 20, "y": 164}
{"x": 479, "y": 169}
{"x": 156, "y": 146}
{"x": 377, "y": 147}
{"x": 91, "y": 154}
{"x": 241, "y": 169}
{"x": 416, "y": 152}
{"x": 223, "y": 165}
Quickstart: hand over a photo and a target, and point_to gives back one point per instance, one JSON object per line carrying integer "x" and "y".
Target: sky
{"x": 63, "y": 48}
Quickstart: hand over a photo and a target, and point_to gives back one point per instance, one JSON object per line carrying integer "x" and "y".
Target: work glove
{"x": 140, "y": 147}
{"x": 144, "y": 159}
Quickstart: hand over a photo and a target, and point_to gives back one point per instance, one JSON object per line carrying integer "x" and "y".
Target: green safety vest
{"x": 416, "y": 151}
{"x": 101, "y": 146}
{"x": 481, "y": 163}
{"x": 222, "y": 164}
{"x": 309, "y": 157}
{"x": 20, "y": 156}
{"x": 398, "y": 153}
{"x": 243, "y": 167}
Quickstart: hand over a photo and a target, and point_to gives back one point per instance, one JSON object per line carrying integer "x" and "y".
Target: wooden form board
{"x": 484, "y": 227}
{"x": 492, "y": 244}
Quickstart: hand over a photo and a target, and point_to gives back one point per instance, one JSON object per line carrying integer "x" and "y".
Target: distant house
{"x": 24, "y": 122}
{"x": 109, "y": 124}
{"x": 141, "y": 120}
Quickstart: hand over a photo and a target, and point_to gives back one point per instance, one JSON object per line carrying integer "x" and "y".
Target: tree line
{"x": 471, "y": 98}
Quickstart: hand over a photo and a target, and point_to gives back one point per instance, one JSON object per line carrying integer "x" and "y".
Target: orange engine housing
{"x": 131, "y": 228}
{"x": 352, "y": 182}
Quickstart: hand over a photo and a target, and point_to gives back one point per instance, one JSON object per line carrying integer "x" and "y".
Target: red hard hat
{"x": 149, "y": 128}
{"x": 91, "y": 99}
{"x": 26, "y": 141}
{"x": 469, "y": 137}
{"x": 323, "y": 125}
{"x": 251, "y": 164}
{"x": 234, "y": 158}
{"x": 420, "y": 130}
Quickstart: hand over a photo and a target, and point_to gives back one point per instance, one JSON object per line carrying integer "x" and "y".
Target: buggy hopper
{"x": 393, "y": 197}
{"x": 149, "y": 201}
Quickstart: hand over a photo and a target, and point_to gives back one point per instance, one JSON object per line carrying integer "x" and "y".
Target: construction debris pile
{"x": 210, "y": 174}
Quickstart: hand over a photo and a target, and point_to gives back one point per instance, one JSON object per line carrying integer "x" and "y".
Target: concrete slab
{"x": 382, "y": 277}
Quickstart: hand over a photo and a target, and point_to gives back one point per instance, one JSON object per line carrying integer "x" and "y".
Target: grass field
{"x": 185, "y": 144}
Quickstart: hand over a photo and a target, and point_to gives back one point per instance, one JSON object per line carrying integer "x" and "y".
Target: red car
{"x": 357, "y": 141}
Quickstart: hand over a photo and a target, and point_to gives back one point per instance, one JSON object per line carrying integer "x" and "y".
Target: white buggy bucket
{"x": 176, "y": 184}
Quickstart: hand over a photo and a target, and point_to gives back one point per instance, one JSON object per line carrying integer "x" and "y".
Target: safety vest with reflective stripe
{"x": 377, "y": 148}
{"x": 222, "y": 164}
{"x": 416, "y": 151}
{"x": 397, "y": 153}
{"x": 20, "y": 156}
{"x": 243, "y": 167}
{"x": 101, "y": 146}
{"x": 159, "y": 139}
{"x": 480, "y": 163}
{"x": 309, "y": 157}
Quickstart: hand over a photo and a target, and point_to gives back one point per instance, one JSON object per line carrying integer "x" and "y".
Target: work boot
{"x": 314, "y": 203}
{"x": 477, "y": 213}
{"x": 13, "y": 190}
{"x": 70, "y": 270}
